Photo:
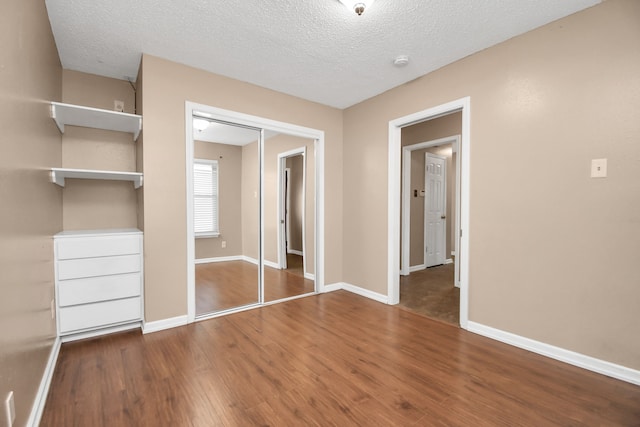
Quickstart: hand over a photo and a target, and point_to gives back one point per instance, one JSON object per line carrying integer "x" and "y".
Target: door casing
{"x": 393, "y": 200}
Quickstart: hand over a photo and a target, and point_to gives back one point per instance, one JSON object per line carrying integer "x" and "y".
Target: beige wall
{"x": 250, "y": 203}
{"x": 166, "y": 86}
{"x": 440, "y": 127}
{"x": 553, "y": 253}
{"x": 96, "y": 204}
{"x": 32, "y": 206}
{"x": 229, "y": 159}
{"x": 274, "y": 146}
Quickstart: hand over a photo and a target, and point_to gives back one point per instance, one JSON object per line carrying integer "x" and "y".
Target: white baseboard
{"x": 331, "y": 288}
{"x": 254, "y": 261}
{"x": 249, "y": 259}
{"x": 219, "y": 259}
{"x": 356, "y": 290}
{"x": 161, "y": 325}
{"x": 577, "y": 359}
{"x": 418, "y": 267}
{"x": 100, "y": 332}
{"x": 295, "y": 252}
{"x": 271, "y": 264}
{"x": 45, "y": 383}
{"x": 365, "y": 293}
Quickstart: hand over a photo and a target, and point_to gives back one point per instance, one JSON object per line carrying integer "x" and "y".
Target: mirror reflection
{"x": 289, "y": 216}
{"x": 226, "y": 176}
{"x": 226, "y": 215}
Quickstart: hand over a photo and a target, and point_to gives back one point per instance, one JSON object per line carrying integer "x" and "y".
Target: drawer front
{"x": 92, "y": 267}
{"x": 89, "y": 247}
{"x": 94, "y": 289}
{"x": 99, "y": 314}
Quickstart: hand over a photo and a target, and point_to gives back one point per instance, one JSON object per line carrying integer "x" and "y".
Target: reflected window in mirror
{"x": 205, "y": 195}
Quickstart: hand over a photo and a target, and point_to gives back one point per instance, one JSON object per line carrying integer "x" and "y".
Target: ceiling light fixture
{"x": 200, "y": 124}
{"x": 358, "y": 6}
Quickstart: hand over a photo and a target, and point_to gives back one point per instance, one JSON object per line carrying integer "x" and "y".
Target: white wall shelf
{"x": 58, "y": 175}
{"x": 76, "y": 115}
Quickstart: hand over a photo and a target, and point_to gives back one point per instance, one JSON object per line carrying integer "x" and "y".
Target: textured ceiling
{"x": 314, "y": 49}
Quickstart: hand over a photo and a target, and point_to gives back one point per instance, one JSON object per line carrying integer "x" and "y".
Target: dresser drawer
{"x": 93, "y": 289}
{"x": 90, "y": 247}
{"x": 92, "y": 267}
{"x": 99, "y": 314}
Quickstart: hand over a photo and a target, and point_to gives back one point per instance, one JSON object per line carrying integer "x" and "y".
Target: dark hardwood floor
{"x": 334, "y": 359}
{"x": 279, "y": 284}
{"x": 229, "y": 284}
{"x": 431, "y": 292}
{"x": 224, "y": 285}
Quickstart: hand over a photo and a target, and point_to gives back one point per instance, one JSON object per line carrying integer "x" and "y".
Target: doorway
{"x": 394, "y": 202}
{"x": 292, "y": 211}
{"x": 412, "y": 240}
{"x": 429, "y": 212}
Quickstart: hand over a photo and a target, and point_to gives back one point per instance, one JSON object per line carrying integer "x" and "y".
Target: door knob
{"x": 443, "y": 216}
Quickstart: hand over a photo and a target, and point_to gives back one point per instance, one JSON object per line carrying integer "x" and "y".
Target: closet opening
{"x": 254, "y": 237}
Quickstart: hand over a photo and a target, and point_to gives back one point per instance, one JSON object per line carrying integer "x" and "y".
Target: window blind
{"x": 205, "y": 193}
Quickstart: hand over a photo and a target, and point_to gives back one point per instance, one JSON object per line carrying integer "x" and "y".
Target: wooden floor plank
{"x": 231, "y": 284}
{"x": 332, "y": 359}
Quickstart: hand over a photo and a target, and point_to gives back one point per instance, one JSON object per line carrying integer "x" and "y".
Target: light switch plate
{"x": 599, "y": 168}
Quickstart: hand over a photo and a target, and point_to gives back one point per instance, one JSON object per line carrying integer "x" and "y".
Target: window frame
{"x": 216, "y": 196}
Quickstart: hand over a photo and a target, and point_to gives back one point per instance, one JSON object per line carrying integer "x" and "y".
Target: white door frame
{"x": 454, "y": 140}
{"x": 282, "y": 163}
{"x": 393, "y": 202}
{"x": 287, "y": 208}
{"x": 261, "y": 123}
{"x": 444, "y": 196}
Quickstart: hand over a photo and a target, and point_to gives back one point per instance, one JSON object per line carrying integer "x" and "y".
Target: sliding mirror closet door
{"x": 289, "y": 216}
{"x": 226, "y": 215}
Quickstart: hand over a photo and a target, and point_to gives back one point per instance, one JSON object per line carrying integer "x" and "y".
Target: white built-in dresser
{"x": 98, "y": 273}
{"x": 98, "y": 279}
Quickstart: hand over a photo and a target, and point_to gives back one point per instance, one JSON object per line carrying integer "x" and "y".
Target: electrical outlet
{"x": 10, "y": 407}
{"x": 53, "y": 309}
{"x": 224, "y": 244}
{"x": 118, "y": 106}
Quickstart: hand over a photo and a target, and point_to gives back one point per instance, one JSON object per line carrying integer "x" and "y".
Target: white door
{"x": 287, "y": 209}
{"x": 435, "y": 222}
